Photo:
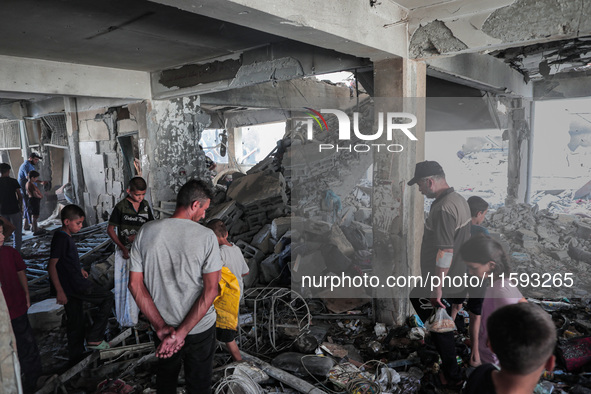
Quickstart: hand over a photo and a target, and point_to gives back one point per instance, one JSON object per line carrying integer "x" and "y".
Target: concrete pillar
{"x": 518, "y": 134}
{"x": 398, "y": 208}
{"x": 234, "y": 150}
{"x": 76, "y": 175}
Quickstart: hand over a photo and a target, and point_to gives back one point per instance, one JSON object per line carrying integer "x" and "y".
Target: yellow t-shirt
{"x": 227, "y": 303}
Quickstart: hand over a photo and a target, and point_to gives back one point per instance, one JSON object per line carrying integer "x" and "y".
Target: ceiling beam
{"x": 287, "y": 95}
{"x": 369, "y": 29}
{"x": 35, "y": 76}
{"x": 271, "y": 63}
{"x": 482, "y": 72}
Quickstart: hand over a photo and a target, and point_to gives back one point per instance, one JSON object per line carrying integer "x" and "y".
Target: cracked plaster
{"x": 176, "y": 125}
{"x": 534, "y": 19}
{"x": 434, "y": 38}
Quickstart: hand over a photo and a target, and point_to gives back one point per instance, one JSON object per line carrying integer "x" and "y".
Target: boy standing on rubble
{"x": 13, "y": 280}
{"x": 523, "y": 337}
{"x": 73, "y": 288}
{"x": 231, "y": 288}
{"x": 128, "y": 216}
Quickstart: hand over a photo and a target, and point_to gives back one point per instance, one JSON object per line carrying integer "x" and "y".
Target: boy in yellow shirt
{"x": 227, "y": 303}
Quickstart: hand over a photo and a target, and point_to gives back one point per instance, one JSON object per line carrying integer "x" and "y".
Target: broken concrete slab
{"x": 261, "y": 239}
{"x": 584, "y": 231}
{"x": 258, "y": 187}
{"x": 579, "y": 254}
{"x": 559, "y": 255}
{"x": 338, "y": 238}
{"x": 280, "y": 226}
{"x": 46, "y": 315}
{"x": 270, "y": 270}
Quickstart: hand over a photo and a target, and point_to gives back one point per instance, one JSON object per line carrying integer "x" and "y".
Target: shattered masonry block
{"x": 258, "y": 187}
{"x": 237, "y": 227}
{"x": 250, "y": 252}
{"x": 280, "y": 226}
{"x": 46, "y": 315}
{"x": 228, "y": 212}
{"x": 246, "y": 237}
{"x": 261, "y": 239}
{"x": 566, "y": 219}
{"x": 269, "y": 269}
{"x": 528, "y": 238}
{"x": 256, "y": 221}
{"x": 337, "y": 238}
{"x": 584, "y": 231}
{"x": 252, "y": 278}
{"x": 559, "y": 255}
{"x": 270, "y": 204}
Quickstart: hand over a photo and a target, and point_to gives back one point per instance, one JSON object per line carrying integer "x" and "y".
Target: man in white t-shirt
{"x": 174, "y": 275}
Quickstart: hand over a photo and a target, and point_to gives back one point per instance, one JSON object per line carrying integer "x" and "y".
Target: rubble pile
{"x": 540, "y": 241}
{"x": 294, "y": 195}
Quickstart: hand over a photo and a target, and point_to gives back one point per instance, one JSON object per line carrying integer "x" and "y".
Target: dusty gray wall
{"x": 174, "y": 128}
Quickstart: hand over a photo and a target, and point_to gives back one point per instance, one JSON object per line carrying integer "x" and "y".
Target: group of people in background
{"x": 454, "y": 242}
{"x": 21, "y": 198}
{"x": 171, "y": 270}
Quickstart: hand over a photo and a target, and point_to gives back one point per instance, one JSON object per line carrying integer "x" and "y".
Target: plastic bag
{"x": 126, "y": 309}
{"x": 440, "y": 321}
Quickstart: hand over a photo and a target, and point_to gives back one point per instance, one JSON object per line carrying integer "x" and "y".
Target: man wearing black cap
{"x": 447, "y": 227}
{"x": 23, "y": 171}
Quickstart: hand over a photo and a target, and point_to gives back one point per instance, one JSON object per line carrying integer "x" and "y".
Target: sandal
{"x": 101, "y": 346}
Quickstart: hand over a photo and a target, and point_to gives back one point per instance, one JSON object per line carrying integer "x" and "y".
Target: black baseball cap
{"x": 34, "y": 155}
{"x": 424, "y": 169}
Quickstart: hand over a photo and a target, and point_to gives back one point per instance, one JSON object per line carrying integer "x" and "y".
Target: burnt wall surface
{"x": 174, "y": 129}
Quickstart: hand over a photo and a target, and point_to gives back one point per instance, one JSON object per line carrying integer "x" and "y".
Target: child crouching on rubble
{"x": 523, "y": 337}
{"x": 487, "y": 260}
{"x": 231, "y": 288}
{"x": 73, "y": 288}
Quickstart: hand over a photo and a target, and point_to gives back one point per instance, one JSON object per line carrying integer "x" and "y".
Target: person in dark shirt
{"x": 11, "y": 200}
{"x": 523, "y": 337}
{"x": 446, "y": 228}
{"x": 13, "y": 281}
{"x": 73, "y": 288}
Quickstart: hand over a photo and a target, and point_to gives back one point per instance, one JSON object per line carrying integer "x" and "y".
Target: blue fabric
{"x": 23, "y": 171}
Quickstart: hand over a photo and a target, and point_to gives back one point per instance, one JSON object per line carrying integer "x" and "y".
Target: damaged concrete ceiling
{"x": 127, "y": 34}
{"x": 536, "y": 38}
{"x": 540, "y": 61}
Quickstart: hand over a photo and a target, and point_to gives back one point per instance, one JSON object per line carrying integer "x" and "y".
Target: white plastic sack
{"x": 125, "y": 307}
{"x": 440, "y": 322}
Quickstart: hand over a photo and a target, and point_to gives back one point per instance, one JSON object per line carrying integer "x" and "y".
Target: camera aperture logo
{"x": 395, "y": 122}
